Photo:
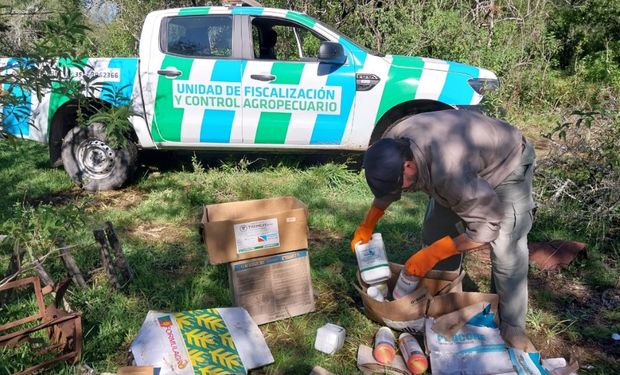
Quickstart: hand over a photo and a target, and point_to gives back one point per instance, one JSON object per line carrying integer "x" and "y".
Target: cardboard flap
{"x": 450, "y": 302}
{"x": 235, "y": 211}
{"x": 136, "y": 370}
{"x": 367, "y": 310}
{"x": 448, "y": 324}
{"x": 455, "y": 285}
{"x": 413, "y": 304}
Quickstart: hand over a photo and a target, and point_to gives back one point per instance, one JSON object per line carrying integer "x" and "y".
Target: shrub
{"x": 579, "y": 180}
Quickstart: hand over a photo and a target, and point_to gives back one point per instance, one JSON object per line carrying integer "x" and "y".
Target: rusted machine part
{"x": 64, "y": 330}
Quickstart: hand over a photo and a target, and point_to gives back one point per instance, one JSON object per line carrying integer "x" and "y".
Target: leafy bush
{"x": 50, "y": 40}
{"x": 579, "y": 180}
{"x": 38, "y": 229}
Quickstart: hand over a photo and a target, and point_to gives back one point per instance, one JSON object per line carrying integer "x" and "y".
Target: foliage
{"x": 580, "y": 177}
{"x": 35, "y": 69}
{"x": 116, "y": 116}
{"x": 585, "y": 29}
{"x": 118, "y": 33}
{"x": 37, "y": 230}
{"x": 117, "y": 124}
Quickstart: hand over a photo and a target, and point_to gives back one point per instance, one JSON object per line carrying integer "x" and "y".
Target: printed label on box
{"x": 257, "y": 235}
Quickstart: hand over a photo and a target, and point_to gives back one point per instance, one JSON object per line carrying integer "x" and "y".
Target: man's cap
{"x": 383, "y": 163}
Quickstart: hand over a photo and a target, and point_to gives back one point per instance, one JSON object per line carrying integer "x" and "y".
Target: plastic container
{"x": 372, "y": 260}
{"x": 383, "y": 288}
{"x": 412, "y": 353}
{"x": 385, "y": 346}
{"x": 378, "y": 292}
{"x": 405, "y": 284}
{"x": 374, "y": 293}
{"x": 329, "y": 338}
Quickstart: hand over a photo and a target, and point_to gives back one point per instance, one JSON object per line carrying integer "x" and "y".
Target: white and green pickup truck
{"x": 237, "y": 77}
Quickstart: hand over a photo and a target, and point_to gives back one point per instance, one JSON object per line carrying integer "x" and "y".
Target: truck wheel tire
{"x": 92, "y": 163}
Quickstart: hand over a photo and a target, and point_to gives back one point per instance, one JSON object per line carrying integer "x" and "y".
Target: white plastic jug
{"x": 329, "y": 338}
{"x": 372, "y": 260}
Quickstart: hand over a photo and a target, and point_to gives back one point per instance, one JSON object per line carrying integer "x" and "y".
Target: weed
{"x": 549, "y": 326}
{"x": 117, "y": 123}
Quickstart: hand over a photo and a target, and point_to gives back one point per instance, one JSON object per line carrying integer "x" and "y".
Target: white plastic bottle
{"x": 405, "y": 284}
{"x": 383, "y": 288}
{"x": 375, "y": 293}
{"x": 379, "y": 291}
{"x": 372, "y": 260}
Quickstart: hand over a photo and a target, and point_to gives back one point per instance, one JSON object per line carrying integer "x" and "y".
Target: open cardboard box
{"x": 408, "y": 312}
{"x": 249, "y": 229}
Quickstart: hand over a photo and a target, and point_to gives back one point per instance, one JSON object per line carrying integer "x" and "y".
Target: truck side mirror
{"x": 332, "y": 53}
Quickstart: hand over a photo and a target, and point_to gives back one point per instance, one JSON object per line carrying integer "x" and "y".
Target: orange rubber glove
{"x": 365, "y": 229}
{"x": 424, "y": 260}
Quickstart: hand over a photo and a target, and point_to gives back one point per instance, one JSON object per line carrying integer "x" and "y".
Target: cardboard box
{"x": 408, "y": 313}
{"x": 249, "y": 229}
{"x": 273, "y": 287}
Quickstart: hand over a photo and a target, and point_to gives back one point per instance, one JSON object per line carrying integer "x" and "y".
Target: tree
{"x": 38, "y": 35}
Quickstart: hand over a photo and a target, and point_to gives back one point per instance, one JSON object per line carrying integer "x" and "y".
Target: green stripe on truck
{"x": 272, "y": 126}
{"x": 301, "y": 18}
{"x": 194, "y": 11}
{"x": 57, "y": 95}
{"x": 401, "y": 84}
{"x": 167, "y": 120}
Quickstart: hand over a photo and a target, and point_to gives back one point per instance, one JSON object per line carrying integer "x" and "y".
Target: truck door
{"x": 193, "y": 104}
{"x": 289, "y": 97}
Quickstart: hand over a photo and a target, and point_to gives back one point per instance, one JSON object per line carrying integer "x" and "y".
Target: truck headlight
{"x": 483, "y": 85}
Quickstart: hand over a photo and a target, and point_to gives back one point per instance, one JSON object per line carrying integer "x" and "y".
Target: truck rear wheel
{"x": 93, "y": 163}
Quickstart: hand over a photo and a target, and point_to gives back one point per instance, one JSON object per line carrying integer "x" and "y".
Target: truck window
{"x": 198, "y": 36}
{"x": 275, "y": 39}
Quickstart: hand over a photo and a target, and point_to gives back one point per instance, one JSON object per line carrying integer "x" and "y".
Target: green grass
{"x": 157, "y": 220}
{"x": 24, "y": 174}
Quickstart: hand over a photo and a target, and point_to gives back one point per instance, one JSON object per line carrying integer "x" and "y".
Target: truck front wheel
{"x": 93, "y": 163}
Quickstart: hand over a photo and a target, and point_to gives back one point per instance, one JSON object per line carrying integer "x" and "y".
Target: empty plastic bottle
{"x": 412, "y": 353}
{"x": 405, "y": 285}
{"x": 385, "y": 346}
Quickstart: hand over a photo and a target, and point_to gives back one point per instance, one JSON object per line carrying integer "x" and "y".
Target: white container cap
{"x": 329, "y": 338}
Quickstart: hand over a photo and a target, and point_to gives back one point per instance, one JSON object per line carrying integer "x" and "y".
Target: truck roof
{"x": 229, "y": 10}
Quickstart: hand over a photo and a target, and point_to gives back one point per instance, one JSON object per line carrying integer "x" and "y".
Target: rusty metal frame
{"x": 64, "y": 329}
